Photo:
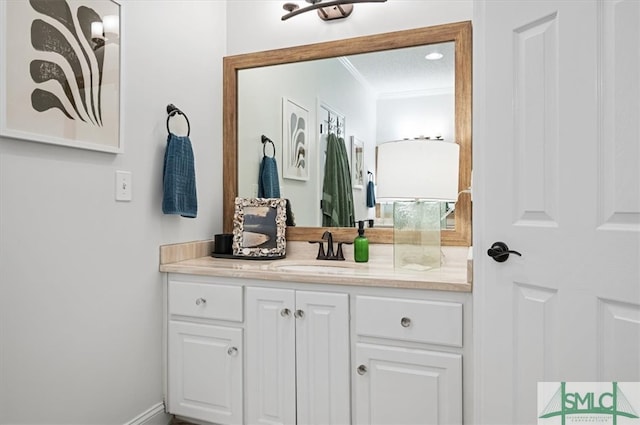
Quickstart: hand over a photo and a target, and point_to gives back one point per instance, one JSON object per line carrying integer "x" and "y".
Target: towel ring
{"x": 266, "y": 140}
{"x": 172, "y": 110}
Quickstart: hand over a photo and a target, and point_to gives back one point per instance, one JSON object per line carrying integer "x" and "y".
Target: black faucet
{"x": 329, "y": 255}
{"x": 327, "y": 236}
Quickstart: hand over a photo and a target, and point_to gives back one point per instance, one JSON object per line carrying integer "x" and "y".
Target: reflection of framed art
{"x": 357, "y": 163}
{"x": 60, "y": 72}
{"x": 259, "y": 226}
{"x": 295, "y": 140}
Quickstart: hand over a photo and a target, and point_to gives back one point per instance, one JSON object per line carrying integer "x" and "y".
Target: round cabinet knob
{"x": 285, "y": 312}
{"x": 362, "y": 369}
{"x": 232, "y": 351}
{"x": 299, "y": 314}
{"x": 201, "y": 301}
{"x": 405, "y": 322}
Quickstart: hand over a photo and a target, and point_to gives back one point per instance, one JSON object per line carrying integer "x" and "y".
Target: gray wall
{"x": 80, "y": 291}
{"x": 413, "y": 117}
{"x": 254, "y": 25}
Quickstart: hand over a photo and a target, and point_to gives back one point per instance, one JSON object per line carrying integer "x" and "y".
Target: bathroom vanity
{"x": 299, "y": 340}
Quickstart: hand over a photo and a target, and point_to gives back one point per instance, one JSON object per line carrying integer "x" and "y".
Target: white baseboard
{"x": 155, "y": 415}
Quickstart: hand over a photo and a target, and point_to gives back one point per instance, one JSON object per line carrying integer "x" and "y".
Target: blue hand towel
{"x": 268, "y": 184}
{"x": 179, "y": 178}
{"x": 371, "y": 196}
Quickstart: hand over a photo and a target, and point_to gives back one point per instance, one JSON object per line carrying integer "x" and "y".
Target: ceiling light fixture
{"x": 327, "y": 11}
{"x": 434, "y": 56}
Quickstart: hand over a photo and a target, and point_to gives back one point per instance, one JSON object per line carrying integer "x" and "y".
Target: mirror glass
{"x": 365, "y": 99}
{"x": 367, "y": 90}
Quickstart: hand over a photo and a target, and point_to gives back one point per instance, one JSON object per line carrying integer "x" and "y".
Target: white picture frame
{"x": 295, "y": 140}
{"x": 358, "y": 173}
{"x": 60, "y": 73}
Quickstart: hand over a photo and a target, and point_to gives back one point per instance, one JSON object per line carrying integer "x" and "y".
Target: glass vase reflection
{"x": 416, "y": 235}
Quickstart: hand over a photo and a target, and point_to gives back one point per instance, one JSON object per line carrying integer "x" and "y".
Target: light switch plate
{"x": 123, "y": 186}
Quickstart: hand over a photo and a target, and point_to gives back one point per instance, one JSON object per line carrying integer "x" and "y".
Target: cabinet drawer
{"x": 433, "y": 322}
{"x": 206, "y": 301}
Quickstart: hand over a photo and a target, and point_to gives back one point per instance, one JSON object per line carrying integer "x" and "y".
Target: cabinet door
{"x": 271, "y": 363}
{"x": 322, "y": 357}
{"x": 395, "y": 385}
{"x": 205, "y": 372}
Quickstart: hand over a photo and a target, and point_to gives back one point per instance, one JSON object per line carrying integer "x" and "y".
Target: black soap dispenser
{"x": 361, "y": 245}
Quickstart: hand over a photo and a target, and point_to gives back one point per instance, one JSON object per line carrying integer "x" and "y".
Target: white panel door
{"x": 322, "y": 357}
{"x": 395, "y": 385}
{"x": 557, "y": 178}
{"x": 271, "y": 363}
{"x": 205, "y": 372}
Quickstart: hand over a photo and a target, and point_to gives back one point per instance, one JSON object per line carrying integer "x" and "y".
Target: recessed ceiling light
{"x": 434, "y": 56}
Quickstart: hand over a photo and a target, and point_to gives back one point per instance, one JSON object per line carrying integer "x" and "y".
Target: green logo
{"x": 585, "y": 401}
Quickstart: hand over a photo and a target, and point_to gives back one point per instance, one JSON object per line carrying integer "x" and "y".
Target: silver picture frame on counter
{"x": 259, "y": 227}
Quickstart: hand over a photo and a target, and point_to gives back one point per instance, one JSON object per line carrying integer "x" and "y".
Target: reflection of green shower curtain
{"x": 337, "y": 192}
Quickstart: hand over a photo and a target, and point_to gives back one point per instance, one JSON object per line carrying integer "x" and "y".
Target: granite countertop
{"x": 300, "y": 265}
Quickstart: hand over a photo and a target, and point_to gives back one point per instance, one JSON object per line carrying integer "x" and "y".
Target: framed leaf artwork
{"x": 295, "y": 129}
{"x": 60, "y": 72}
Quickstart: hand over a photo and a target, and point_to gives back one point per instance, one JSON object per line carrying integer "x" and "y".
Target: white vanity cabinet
{"x": 249, "y": 351}
{"x": 297, "y": 357}
{"x": 401, "y": 375}
{"x": 205, "y": 352}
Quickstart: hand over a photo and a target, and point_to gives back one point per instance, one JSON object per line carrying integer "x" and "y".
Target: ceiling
{"x": 405, "y": 72}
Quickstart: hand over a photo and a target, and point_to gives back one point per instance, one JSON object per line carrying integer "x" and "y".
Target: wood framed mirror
{"x": 459, "y": 33}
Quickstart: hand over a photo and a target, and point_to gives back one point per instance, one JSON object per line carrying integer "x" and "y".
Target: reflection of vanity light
{"x": 111, "y": 26}
{"x": 97, "y": 30}
{"x": 107, "y": 30}
{"x": 434, "y": 56}
{"x": 97, "y": 34}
